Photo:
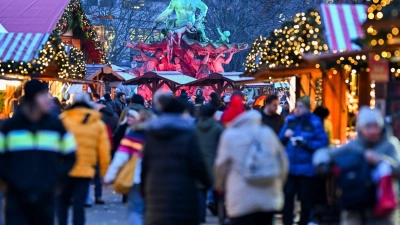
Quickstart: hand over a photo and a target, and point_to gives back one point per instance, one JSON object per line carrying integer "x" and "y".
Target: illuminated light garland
{"x": 75, "y": 68}
{"x": 286, "y": 46}
{"x": 383, "y": 10}
{"x": 74, "y": 18}
{"x": 53, "y": 49}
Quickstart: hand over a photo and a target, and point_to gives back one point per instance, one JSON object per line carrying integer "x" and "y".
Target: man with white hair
{"x": 373, "y": 147}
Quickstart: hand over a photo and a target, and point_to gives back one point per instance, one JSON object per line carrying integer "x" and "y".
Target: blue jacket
{"x": 309, "y": 127}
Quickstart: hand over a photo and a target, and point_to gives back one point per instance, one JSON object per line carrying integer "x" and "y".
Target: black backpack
{"x": 354, "y": 185}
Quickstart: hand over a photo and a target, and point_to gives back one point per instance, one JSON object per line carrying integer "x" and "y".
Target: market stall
{"x": 47, "y": 42}
{"x": 327, "y": 29}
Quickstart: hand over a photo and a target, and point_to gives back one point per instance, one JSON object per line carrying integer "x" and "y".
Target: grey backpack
{"x": 261, "y": 164}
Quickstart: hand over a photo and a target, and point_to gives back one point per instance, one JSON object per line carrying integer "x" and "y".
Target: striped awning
{"x": 342, "y": 24}
{"x": 21, "y": 47}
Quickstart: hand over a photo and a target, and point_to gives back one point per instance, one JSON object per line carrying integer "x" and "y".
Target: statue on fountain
{"x": 185, "y": 11}
{"x": 186, "y": 47}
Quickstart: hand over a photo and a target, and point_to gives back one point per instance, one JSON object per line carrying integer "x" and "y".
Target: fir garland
{"x": 286, "y": 46}
{"x": 74, "y": 18}
{"x": 76, "y": 66}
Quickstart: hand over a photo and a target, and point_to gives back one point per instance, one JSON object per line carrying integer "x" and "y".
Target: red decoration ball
{"x": 100, "y": 52}
{"x": 64, "y": 25}
{"x": 87, "y": 28}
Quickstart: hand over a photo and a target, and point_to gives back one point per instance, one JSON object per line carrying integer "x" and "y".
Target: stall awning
{"x": 342, "y": 24}
{"x": 21, "y": 47}
{"x": 39, "y": 16}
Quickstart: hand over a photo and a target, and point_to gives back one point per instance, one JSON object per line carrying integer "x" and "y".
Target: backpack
{"x": 261, "y": 164}
{"x": 354, "y": 185}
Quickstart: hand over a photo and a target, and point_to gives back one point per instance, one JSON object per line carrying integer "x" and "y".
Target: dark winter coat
{"x": 119, "y": 106}
{"x": 111, "y": 103}
{"x": 275, "y": 121}
{"x": 118, "y": 135}
{"x": 171, "y": 165}
{"x": 311, "y": 129}
{"x": 109, "y": 118}
{"x": 208, "y": 133}
{"x": 34, "y": 156}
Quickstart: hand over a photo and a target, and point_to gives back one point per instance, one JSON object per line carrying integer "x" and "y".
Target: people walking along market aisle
{"x": 172, "y": 163}
{"x": 302, "y": 134}
{"x": 208, "y": 131}
{"x": 36, "y": 153}
{"x": 131, "y": 149}
{"x": 249, "y": 201}
{"x": 93, "y": 147}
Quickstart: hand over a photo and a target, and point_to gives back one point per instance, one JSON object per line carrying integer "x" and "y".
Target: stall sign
{"x": 379, "y": 70}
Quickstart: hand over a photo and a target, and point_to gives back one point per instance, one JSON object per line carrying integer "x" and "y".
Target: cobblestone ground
{"x": 114, "y": 212}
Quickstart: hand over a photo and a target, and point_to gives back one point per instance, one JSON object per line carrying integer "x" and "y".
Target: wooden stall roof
{"x": 174, "y": 77}
{"x": 74, "y": 81}
{"x": 311, "y": 58}
{"x": 107, "y": 72}
{"x": 278, "y": 73}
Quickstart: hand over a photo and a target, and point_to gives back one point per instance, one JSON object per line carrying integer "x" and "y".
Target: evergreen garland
{"x": 74, "y": 18}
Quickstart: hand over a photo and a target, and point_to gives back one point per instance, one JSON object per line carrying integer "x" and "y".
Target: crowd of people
{"x": 176, "y": 157}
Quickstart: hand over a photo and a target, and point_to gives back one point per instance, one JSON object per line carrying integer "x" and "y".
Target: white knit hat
{"x": 81, "y": 98}
{"x": 368, "y": 116}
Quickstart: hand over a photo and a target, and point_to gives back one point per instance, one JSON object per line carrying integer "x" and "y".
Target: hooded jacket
{"x": 243, "y": 198}
{"x": 119, "y": 106}
{"x": 109, "y": 118}
{"x": 34, "y": 156}
{"x": 311, "y": 129}
{"x": 208, "y": 132}
{"x": 92, "y": 138}
{"x": 171, "y": 165}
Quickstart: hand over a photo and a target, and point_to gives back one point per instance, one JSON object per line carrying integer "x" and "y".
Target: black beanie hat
{"x": 138, "y": 99}
{"x": 207, "y": 111}
{"x": 107, "y": 96}
{"x": 32, "y": 88}
{"x": 174, "y": 106}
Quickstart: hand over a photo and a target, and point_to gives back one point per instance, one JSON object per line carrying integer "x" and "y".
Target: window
{"x": 93, "y": 2}
{"x": 107, "y": 3}
{"x": 136, "y": 4}
{"x": 140, "y": 34}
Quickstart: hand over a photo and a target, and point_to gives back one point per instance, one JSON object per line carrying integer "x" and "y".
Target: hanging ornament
{"x": 87, "y": 28}
{"x": 64, "y": 25}
{"x": 76, "y": 6}
{"x": 100, "y": 52}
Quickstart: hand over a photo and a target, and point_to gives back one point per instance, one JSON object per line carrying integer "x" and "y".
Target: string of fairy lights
{"x": 53, "y": 49}
{"x": 286, "y": 46}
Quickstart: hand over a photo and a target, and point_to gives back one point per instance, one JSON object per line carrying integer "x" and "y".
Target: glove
{"x": 301, "y": 143}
